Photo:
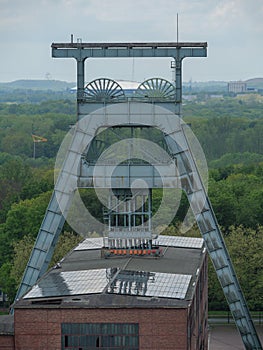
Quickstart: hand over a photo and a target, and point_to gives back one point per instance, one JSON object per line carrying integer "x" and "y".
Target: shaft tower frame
{"x": 205, "y": 217}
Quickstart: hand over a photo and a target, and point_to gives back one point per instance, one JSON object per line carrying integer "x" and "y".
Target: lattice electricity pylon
{"x": 181, "y": 170}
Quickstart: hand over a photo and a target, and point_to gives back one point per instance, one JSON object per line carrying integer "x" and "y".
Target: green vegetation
{"x": 230, "y": 131}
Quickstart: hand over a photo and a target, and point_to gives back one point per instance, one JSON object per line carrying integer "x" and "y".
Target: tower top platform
{"x": 175, "y": 50}
{"x": 80, "y": 44}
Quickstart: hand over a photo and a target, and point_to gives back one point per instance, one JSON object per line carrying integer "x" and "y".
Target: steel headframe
{"x": 176, "y": 50}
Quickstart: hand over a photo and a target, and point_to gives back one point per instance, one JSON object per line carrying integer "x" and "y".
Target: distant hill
{"x": 54, "y": 85}
{"x": 57, "y": 85}
{"x": 205, "y": 86}
{"x": 255, "y": 83}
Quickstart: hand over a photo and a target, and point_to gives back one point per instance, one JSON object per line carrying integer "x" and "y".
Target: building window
{"x": 110, "y": 336}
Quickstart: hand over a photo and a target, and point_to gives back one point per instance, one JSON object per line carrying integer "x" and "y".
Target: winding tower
{"x": 131, "y": 170}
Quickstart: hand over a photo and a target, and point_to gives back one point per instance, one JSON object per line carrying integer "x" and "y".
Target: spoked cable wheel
{"x": 103, "y": 89}
{"x": 156, "y": 88}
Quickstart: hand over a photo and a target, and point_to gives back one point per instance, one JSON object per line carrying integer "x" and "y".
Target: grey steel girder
{"x": 190, "y": 180}
{"x": 209, "y": 228}
{"x": 44, "y": 246}
{"x": 176, "y": 50}
{"x": 81, "y": 53}
{"x": 187, "y": 169}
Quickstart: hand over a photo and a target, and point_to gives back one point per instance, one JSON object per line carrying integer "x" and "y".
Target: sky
{"x": 233, "y": 30}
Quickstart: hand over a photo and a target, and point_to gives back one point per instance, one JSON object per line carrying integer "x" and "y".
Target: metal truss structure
{"x": 155, "y": 104}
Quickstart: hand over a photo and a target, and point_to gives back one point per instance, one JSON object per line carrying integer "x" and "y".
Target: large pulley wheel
{"x": 102, "y": 89}
{"x": 156, "y": 88}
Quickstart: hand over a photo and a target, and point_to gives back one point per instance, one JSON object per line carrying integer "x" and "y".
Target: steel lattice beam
{"x": 193, "y": 186}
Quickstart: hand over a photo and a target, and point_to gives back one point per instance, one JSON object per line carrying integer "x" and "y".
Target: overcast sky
{"x": 232, "y": 28}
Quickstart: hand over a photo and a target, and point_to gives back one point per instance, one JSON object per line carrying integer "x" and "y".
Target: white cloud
{"x": 233, "y": 29}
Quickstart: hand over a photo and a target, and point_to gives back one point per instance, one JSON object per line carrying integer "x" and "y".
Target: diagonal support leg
{"x": 54, "y": 218}
{"x": 44, "y": 246}
{"x": 202, "y": 209}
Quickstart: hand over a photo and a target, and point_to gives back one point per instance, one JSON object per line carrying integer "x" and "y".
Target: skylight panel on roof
{"x": 180, "y": 242}
{"x": 90, "y": 243}
{"x": 70, "y": 283}
{"x": 150, "y": 284}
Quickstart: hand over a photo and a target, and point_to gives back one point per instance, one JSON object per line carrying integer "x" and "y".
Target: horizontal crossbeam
{"x": 128, "y": 45}
{"x": 82, "y": 51}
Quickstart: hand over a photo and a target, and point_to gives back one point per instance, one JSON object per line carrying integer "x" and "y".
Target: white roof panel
{"x": 180, "y": 242}
{"x": 150, "y": 284}
{"x": 69, "y": 283}
{"x": 90, "y": 243}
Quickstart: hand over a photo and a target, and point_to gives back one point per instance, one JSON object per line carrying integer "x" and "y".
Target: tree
{"x": 17, "y": 143}
{"x": 224, "y": 202}
{"x": 14, "y": 173}
{"x": 26, "y": 216}
{"x": 229, "y": 159}
{"x": 22, "y": 251}
{"x": 237, "y": 200}
{"x": 7, "y": 282}
{"x": 245, "y": 247}
{"x": 67, "y": 241}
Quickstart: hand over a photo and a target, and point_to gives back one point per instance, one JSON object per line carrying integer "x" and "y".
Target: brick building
{"x": 123, "y": 302}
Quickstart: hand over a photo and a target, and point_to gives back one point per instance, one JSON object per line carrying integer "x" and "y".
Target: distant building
{"x": 125, "y": 302}
{"x": 189, "y": 97}
{"x": 216, "y": 96}
{"x": 129, "y": 87}
{"x": 237, "y": 87}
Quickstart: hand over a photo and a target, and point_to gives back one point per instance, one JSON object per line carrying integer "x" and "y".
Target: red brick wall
{"x": 38, "y": 329}
{"x": 198, "y": 312}
{"x": 159, "y": 329}
{"x": 7, "y": 342}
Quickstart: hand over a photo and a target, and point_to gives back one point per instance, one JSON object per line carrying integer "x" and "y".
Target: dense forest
{"x": 230, "y": 131}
